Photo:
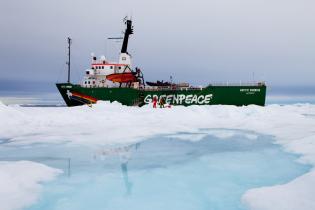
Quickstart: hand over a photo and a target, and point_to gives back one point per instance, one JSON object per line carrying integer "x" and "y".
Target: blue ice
{"x": 159, "y": 173}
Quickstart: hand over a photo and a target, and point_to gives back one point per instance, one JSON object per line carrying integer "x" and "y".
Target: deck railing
{"x": 157, "y": 88}
{"x": 238, "y": 84}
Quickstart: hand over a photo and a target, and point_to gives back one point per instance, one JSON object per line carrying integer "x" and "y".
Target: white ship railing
{"x": 221, "y": 84}
{"x": 237, "y": 84}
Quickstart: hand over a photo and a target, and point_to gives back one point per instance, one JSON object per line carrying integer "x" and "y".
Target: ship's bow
{"x": 65, "y": 91}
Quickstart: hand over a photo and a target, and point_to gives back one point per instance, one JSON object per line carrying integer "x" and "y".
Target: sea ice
{"x": 20, "y": 182}
{"x": 293, "y": 127}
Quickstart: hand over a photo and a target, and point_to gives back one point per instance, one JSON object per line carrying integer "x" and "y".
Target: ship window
{"x": 123, "y": 58}
{"x": 102, "y": 67}
{"x": 85, "y": 82}
{"x": 88, "y": 82}
{"x": 111, "y": 67}
{"x": 93, "y": 82}
{"x": 119, "y": 67}
{"x": 87, "y": 72}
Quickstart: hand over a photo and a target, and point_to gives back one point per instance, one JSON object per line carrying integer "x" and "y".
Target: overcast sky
{"x": 198, "y": 41}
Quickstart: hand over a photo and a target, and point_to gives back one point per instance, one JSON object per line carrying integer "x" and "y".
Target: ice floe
{"x": 20, "y": 182}
{"x": 293, "y": 127}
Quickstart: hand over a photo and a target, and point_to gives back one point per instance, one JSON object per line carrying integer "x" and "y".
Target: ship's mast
{"x": 68, "y": 63}
{"x": 129, "y": 31}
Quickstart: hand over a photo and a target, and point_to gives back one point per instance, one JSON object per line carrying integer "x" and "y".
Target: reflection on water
{"x": 128, "y": 184}
{"x": 164, "y": 172}
{"x": 125, "y": 154}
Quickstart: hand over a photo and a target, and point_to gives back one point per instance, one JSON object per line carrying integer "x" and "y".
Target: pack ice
{"x": 293, "y": 127}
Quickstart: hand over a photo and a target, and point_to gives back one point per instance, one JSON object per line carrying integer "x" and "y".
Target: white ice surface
{"x": 293, "y": 127}
{"x": 295, "y": 195}
{"x": 20, "y": 183}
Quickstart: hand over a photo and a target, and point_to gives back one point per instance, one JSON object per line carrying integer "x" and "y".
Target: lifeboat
{"x": 122, "y": 77}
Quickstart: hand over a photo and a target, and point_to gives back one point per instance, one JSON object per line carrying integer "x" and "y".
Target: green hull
{"x": 240, "y": 95}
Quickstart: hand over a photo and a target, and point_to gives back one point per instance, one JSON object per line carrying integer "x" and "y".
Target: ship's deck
{"x": 219, "y": 84}
{"x": 176, "y": 87}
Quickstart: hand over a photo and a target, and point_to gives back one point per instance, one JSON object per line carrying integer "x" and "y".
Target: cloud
{"x": 197, "y": 41}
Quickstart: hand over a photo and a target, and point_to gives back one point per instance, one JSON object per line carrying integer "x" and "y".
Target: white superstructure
{"x": 104, "y": 73}
{"x": 100, "y": 68}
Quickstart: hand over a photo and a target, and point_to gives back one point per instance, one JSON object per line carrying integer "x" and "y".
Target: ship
{"x": 118, "y": 81}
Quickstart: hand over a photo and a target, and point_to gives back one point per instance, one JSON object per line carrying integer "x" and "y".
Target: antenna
{"x": 68, "y": 63}
{"x": 115, "y": 38}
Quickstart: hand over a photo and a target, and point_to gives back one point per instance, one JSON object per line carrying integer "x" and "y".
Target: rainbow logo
{"x": 84, "y": 99}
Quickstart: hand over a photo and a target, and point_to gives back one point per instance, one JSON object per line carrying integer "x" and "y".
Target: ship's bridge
{"x": 100, "y": 68}
{"x": 108, "y": 68}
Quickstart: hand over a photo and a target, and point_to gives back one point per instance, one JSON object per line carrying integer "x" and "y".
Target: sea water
{"x": 164, "y": 172}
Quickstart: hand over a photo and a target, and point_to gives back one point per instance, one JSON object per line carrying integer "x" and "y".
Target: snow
{"x": 293, "y": 127}
{"x": 297, "y": 194}
{"x": 20, "y": 183}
